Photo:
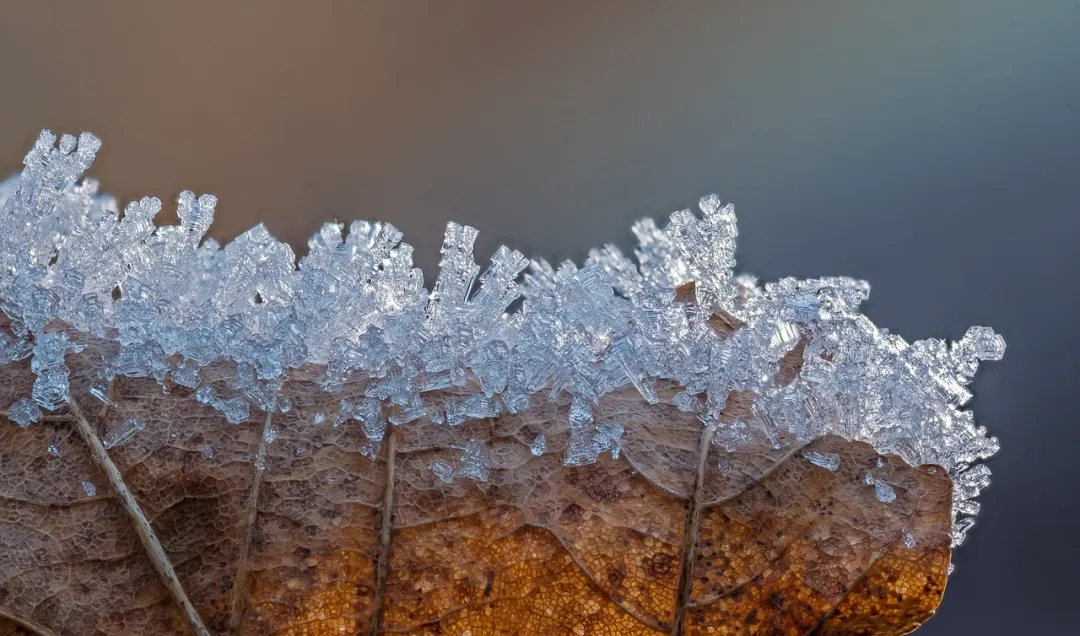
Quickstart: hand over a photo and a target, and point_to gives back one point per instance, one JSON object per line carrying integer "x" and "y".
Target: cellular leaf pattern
{"x": 316, "y": 532}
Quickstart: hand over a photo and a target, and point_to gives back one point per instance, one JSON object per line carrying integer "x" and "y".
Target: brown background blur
{"x": 929, "y": 146}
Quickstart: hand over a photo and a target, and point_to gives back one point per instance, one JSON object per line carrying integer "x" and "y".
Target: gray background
{"x": 931, "y": 147}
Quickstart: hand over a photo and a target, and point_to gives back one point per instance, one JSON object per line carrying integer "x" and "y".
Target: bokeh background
{"x": 929, "y": 146}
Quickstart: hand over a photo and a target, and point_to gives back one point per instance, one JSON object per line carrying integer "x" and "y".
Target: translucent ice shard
{"x": 122, "y": 432}
{"x": 884, "y": 492}
{"x": 269, "y": 435}
{"x": 24, "y": 412}
{"x": 787, "y": 361}
{"x": 475, "y": 462}
{"x": 102, "y": 394}
{"x": 444, "y": 471}
{"x": 828, "y": 461}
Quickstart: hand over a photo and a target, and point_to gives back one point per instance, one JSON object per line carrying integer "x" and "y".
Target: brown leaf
{"x": 320, "y": 532}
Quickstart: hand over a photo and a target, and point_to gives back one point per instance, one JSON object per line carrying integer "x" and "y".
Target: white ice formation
{"x": 177, "y": 302}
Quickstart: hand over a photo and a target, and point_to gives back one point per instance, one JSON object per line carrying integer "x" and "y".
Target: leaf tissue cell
{"x": 207, "y": 439}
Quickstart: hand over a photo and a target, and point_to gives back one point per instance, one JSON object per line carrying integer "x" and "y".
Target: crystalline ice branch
{"x": 172, "y": 303}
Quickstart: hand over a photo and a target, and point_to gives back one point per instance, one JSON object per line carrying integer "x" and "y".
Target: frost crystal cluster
{"x": 72, "y": 266}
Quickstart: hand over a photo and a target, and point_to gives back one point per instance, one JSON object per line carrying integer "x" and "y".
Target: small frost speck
{"x": 828, "y": 461}
{"x": 101, "y": 392}
{"x": 444, "y": 471}
{"x": 123, "y": 432}
{"x": 24, "y": 412}
{"x": 884, "y": 492}
{"x": 88, "y": 488}
{"x": 539, "y": 445}
{"x": 909, "y": 540}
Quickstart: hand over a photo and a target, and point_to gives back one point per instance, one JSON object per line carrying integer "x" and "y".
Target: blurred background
{"x": 929, "y": 146}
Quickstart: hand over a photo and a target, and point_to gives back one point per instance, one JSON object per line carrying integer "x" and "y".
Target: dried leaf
{"x": 326, "y": 446}
{"x": 289, "y": 532}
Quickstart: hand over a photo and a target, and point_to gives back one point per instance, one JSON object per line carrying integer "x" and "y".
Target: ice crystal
{"x": 174, "y": 302}
{"x": 444, "y": 471}
{"x": 828, "y": 461}
{"x": 882, "y": 491}
{"x": 24, "y": 412}
{"x": 269, "y": 435}
{"x": 732, "y": 435}
{"x": 102, "y": 394}
{"x": 475, "y": 462}
{"x": 123, "y": 432}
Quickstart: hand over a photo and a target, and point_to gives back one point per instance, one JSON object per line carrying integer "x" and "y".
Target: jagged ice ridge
{"x": 177, "y": 302}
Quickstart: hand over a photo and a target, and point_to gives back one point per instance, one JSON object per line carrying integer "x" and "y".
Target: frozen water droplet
{"x": 686, "y": 401}
{"x": 474, "y": 462}
{"x": 539, "y": 445}
{"x": 269, "y": 435}
{"x": 101, "y": 392}
{"x": 67, "y": 144}
{"x": 967, "y": 507}
{"x": 319, "y": 418}
{"x": 204, "y": 394}
{"x": 123, "y": 432}
{"x": 984, "y": 343}
{"x": 884, "y": 492}
{"x": 828, "y": 461}
{"x": 207, "y": 451}
{"x": 88, "y": 488}
{"x": 186, "y": 374}
{"x": 24, "y": 412}
{"x": 51, "y": 388}
{"x": 444, "y": 471}
{"x": 909, "y": 540}
{"x": 236, "y": 409}
{"x": 731, "y": 435}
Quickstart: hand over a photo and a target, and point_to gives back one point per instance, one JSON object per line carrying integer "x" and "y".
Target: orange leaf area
{"x": 326, "y": 533}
